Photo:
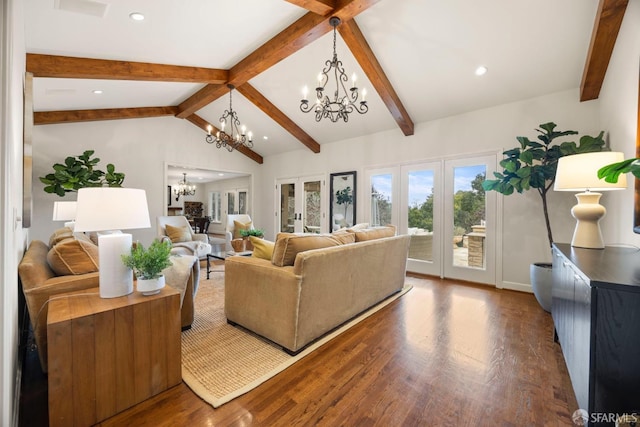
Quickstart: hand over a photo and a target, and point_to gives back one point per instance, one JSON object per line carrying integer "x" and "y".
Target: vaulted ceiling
{"x": 416, "y": 58}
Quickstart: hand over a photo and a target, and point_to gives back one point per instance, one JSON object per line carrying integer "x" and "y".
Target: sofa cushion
{"x": 288, "y": 245}
{"x": 262, "y": 248}
{"x": 344, "y": 236}
{"x": 238, "y": 227}
{"x": 59, "y": 235}
{"x": 178, "y": 234}
{"x": 359, "y": 226}
{"x": 73, "y": 256}
{"x": 375, "y": 233}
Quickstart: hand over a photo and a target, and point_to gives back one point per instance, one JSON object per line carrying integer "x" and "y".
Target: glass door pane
{"x": 381, "y": 199}
{"x": 420, "y": 214}
{"x": 231, "y": 203}
{"x": 312, "y": 212}
{"x": 242, "y": 201}
{"x": 469, "y": 216}
{"x": 287, "y": 207}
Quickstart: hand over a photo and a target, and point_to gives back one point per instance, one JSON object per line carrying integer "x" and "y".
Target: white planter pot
{"x": 150, "y": 286}
{"x": 541, "y": 281}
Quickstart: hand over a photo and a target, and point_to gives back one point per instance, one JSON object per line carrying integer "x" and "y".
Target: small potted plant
{"x": 148, "y": 264}
{"x": 256, "y": 232}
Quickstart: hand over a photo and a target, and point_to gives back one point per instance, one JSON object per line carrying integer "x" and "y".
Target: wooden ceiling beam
{"x": 603, "y": 39}
{"x": 204, "y": 125}
{"x": 293, "y": 38}
{"x": 361, "y": 50}
{"x": 320, "y": 7}
{"x": 73, "y": 116}
{"x": 87, "y": 68}
{"x": 278, "y": 116}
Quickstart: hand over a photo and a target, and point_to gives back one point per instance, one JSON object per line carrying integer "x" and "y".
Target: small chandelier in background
{"x": 184, "y": 188}
{"x": 236, "y": 136}
{"x": 344, "y": 101}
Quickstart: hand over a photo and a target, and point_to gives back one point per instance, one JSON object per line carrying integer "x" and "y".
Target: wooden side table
{"x": 106, "y": 355}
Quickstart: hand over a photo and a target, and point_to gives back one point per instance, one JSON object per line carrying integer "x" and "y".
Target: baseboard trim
{"x": 514, "y": 286}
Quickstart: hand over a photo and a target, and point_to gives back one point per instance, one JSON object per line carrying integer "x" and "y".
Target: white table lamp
{"x": 65, "y": 211}
{"x": 108, "y": 210}
{"x": 579, "y": 172}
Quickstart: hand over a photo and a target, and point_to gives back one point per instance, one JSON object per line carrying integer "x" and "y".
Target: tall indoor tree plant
{"x": 79, "y": 172}
{"x": 533, "y": 165}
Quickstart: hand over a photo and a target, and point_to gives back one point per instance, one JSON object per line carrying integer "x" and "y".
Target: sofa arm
{"x": 272, "y": 293}
{"x": 38, "y": 296}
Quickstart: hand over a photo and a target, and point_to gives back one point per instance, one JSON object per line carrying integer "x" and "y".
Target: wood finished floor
{"x": 445, "y": 354}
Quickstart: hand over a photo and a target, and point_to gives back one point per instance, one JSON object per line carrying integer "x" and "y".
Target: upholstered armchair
{"x": 177, "y": 229}
{"x": 233, "y": 232}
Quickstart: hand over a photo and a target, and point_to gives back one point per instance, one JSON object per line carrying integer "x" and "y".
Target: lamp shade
{"x": 109, "y": 208}
{"x": 64, "y": 211}
{"x": 579, "y": 172}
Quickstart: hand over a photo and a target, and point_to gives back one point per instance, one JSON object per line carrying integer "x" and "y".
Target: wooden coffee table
{"x": 224, "y": 255}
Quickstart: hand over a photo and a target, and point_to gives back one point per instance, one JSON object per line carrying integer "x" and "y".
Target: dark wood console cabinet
{"x": 596, "y": 314}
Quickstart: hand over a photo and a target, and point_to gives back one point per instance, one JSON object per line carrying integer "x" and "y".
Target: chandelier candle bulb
{"x": 209, "y": 128}
{"x": 305, "y": 93}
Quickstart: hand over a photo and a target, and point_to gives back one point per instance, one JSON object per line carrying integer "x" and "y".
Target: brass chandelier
{"x": 236, "y": 136}
{"x": 184, "y": 188}
{"x": 344, "y": 101}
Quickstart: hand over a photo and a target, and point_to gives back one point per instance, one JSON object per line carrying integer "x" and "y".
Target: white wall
{"x": 619, "y": 115}
{"x": 12, "y": 236}
{"x": 493, "y": 129}
{"x": 150, "y": 143}
{"x": 141, "y": 148}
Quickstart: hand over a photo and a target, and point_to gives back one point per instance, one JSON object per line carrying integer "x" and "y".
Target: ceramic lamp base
{"x": 588, "y": 213}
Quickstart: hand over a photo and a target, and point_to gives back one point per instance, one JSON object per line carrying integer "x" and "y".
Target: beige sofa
{"x": 294, "y": 305}
{"x": 40, "y": 282}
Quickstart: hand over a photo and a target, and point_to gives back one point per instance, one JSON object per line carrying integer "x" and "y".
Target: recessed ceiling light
{"x": 481, "y": 70}
{"x": 136, "y": 16}
{"x": 220, "y": 174}
{"x": 97, "y": 91}
{"x": 265, "y": 137}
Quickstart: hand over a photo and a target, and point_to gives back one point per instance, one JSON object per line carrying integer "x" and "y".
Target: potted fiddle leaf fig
{"x": 610, "y": 173}
{"x": 532, "y": 166}
{"x": 79, "y": 172}
{"x": 147, "y": 264}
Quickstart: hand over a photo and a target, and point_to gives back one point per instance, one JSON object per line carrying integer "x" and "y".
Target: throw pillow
{"x": 59, "y": 235}
{"x": 375, "y": 233}
{"x": 262, "y": 248}
{"x": 73, "y": 257}
{"x": 239, "y": 226}
{"x": 289, "y": 245}
{"x": 178, "y": 234}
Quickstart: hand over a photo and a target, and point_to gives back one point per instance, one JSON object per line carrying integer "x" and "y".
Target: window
{"x": 215, "y": 206}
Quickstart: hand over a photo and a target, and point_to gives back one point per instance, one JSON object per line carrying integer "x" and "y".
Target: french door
{"x": 301, "y": 206}
{"x": 442, "y": 206}
{"x": 469, "y": 220}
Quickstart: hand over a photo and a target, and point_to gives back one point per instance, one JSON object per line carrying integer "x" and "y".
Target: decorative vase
{"x": 150, "y": 286}
{"x": 238, "y": 245}
{"x": 541, "y": 281}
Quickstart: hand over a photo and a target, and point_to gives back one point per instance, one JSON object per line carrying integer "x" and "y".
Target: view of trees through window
{"x": 469, "y": 202}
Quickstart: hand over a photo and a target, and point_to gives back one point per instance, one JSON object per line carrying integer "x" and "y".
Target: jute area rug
{"x": 221, "y": 362}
